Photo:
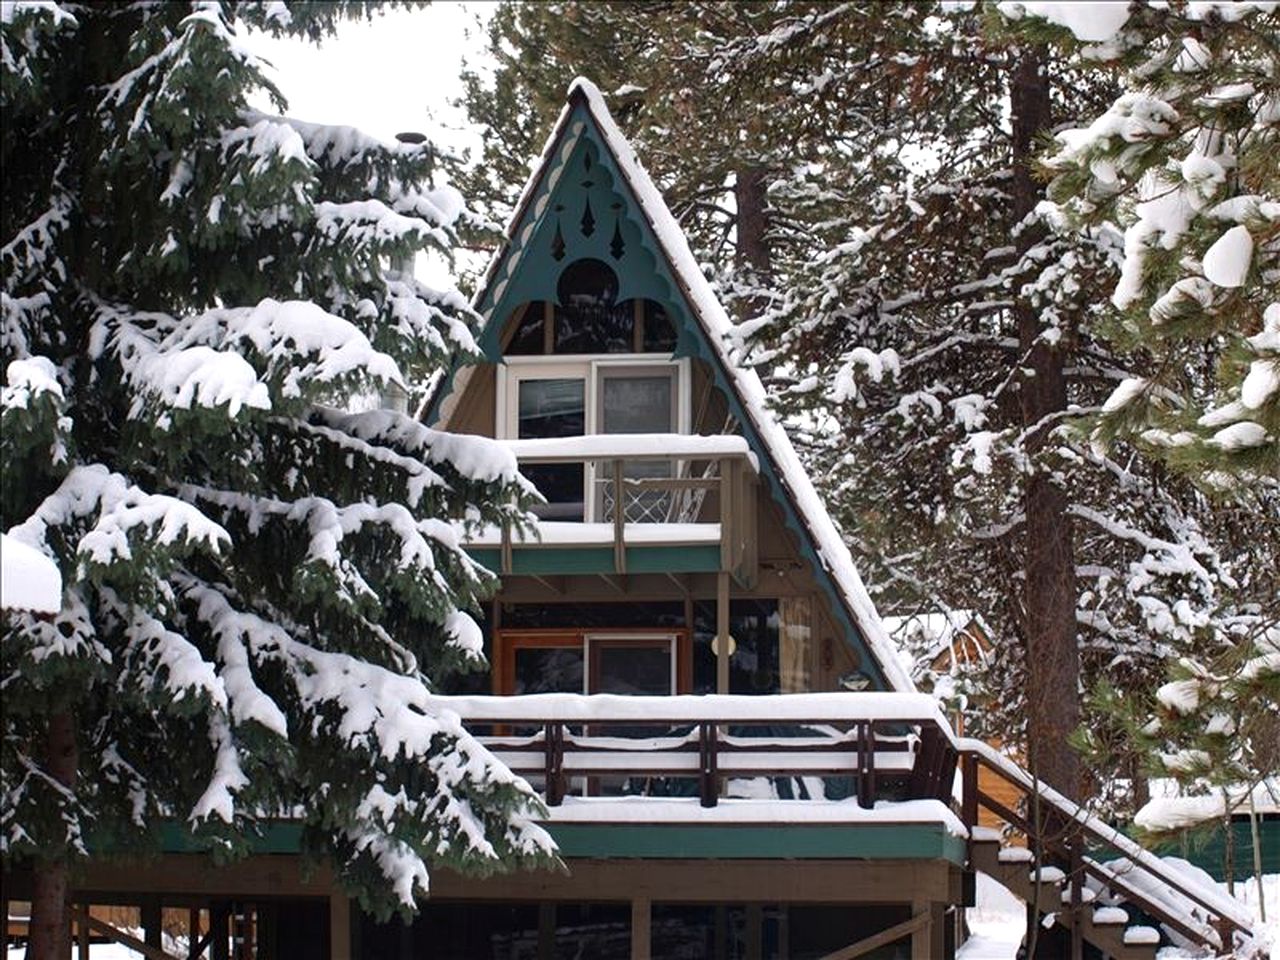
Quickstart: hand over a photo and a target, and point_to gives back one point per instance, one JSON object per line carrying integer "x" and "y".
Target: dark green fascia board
{"x": 911, "y": 841}
{"x": 511, "y": 285}
{"x": 879, "y": 841}
{"x": 274, "y": 836}
{"x": 702, "y": 558}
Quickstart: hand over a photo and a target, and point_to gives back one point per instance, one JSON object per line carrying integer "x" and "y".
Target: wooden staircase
{"x": 1047, "y": 889}
{"x": 1081, "y": 872}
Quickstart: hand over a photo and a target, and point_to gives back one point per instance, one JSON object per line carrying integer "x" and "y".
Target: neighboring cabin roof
{"x": 716, "y": 327}
{"x": 925, "y": 637}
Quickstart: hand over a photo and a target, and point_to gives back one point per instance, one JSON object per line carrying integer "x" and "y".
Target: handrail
{"x": 820, "y": 708}
{"x": 676, "y": 500}
{"x": 1226, "y": 914}
{"x": 81, "y": 915}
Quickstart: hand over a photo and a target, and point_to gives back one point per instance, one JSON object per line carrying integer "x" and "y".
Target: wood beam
{"x": 619, "y": 519}
{"x": 150, "y": 914}
{"x": 82, "y": 934}
{"x": 681, "y": 582}
{"x": 711, "y": 881}
{"x": 722, "y": 632}
{"x": 546, "y": 931}
{"x": 339, "y": 925}
{"x": 896, "y": 932}
{"x": 617, "y": 585}
{"x": 553, "y": 584}
{"x": 641, "y": 935}
{"x": 80, "y": 913}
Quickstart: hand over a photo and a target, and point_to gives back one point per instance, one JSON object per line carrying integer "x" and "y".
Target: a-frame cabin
{"x": 685, "y": 663}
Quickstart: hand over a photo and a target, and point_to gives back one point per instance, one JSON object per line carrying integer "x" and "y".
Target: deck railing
{"x": 712, "y": 481}
{"x": 887, "y": 746}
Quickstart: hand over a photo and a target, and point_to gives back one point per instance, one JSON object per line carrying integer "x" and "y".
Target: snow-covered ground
{"x": 1269, "y": 932}
{"x": 996, "y": 923}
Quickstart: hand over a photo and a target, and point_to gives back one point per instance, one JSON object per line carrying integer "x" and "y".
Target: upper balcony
{"x": 688, "y": 505}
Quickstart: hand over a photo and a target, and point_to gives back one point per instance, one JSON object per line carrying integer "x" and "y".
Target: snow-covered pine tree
{"x": 260, "y": 585}
{"x": 1184, "y": 160}
{"x": 913, "y": 324}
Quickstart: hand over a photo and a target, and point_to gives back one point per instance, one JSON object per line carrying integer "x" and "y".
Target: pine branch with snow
{"x": 1184, "y": 159}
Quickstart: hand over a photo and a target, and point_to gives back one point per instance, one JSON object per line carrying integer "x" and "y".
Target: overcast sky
{"x": 394, "y": 73}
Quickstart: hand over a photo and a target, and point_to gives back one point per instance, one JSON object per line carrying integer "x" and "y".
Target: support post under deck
{"x": 339, "y": 925}
{"x": 641, "y": 937}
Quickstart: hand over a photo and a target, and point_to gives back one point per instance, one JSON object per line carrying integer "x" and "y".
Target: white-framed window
{"x": 559, "y": 396}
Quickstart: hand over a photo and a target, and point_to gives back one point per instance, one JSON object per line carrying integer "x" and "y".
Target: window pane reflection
{"x": 548, "y": 670}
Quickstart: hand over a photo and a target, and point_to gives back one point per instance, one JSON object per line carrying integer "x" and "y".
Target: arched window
{"x": 588, "y": 319}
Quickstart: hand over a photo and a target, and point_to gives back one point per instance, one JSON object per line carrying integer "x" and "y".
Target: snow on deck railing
{"x": 711, "y": 504}
{"x": 1210, "y": 897}
{"x": 713, "y": 708}
{"x": 632, "y": 446}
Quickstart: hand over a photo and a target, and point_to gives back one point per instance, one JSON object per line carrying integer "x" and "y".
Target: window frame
{"x": 592, "y": 369}
{"x": 507, "y": 641}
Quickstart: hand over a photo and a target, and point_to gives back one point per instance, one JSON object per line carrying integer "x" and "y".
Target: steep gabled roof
{"x": 813, "y": 525}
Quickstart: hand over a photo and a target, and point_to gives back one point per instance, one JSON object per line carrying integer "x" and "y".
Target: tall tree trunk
{"x": 1053, "y": 658}
{"x": 752, "y": 255}
{"x": 50, "y": 921}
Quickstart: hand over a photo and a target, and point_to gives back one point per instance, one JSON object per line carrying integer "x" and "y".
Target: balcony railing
{"x": 673, "y": 489}
{"x": 884, "y": 746}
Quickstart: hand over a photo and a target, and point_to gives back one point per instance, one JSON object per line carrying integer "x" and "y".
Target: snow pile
{"x": 29, "y": 580}
{"x": 997, "y": 923}
{"x": 1227, "y": 262}
{"x": 1177, "y": 812}
{"x": 737, "y": 811}
{"x": 1094, "y": 22}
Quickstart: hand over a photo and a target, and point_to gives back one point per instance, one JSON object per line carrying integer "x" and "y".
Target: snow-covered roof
{"x": 716, "y": 325}
{"x": 1171, "y": 811}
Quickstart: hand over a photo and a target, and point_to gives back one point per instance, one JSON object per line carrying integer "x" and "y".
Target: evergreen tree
{"x": 260, "y": 585}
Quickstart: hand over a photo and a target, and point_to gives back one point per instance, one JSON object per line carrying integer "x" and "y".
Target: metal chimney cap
{"x": 411, "y": 136}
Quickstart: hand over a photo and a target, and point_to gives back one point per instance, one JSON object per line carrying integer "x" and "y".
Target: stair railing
{"x": 1065, "y": 828}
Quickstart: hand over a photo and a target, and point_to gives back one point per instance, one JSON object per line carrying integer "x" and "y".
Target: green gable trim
{"x": 580, "y": 172}
{"x": 909, "y": 841}
{"x": 702, "y": 558}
